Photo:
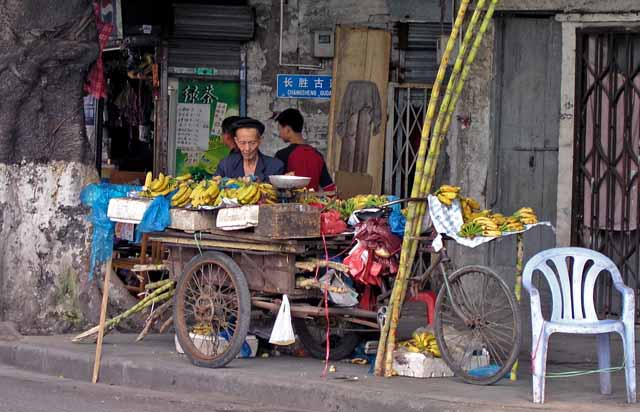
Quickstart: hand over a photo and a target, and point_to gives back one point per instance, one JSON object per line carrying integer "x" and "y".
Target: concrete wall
{"x": 301, "y": 18}
{"x": 571, "y": 6}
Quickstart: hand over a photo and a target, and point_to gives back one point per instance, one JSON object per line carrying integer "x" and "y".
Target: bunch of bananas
{"x": 202, "y": 329}
{"x": 205, "y": 193}
{"x": 161, "y": 186}
{"x": 470, "y": 230}
{"x": 469, "y": 206}
{"x": 447, "y": 193}
{"x": 365, "y": 201}
{"x": 181, "y": 198}
{"x": 248, "y": 194}
{"x": 526, "y": 215}
{"x": 512, "y": 224}
{"x": 422, "y": 342}
{"x": 489, "y": 226}
{"x": 268, "y": 193}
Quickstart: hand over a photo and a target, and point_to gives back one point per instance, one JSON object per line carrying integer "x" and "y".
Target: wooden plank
{"x": 361, "y": 54}
{"x": 377, "y": 71}
{"x": 228, "y": 245}
{"x": 103, "y": 317}
{"x": 348, "y": 64}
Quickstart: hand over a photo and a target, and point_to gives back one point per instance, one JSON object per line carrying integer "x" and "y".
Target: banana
{"x": 450, "y": 195}
{"x": 444, "y": 199}
{"x": 184, "y": 177}
{"x": 491, "y": 233}
{"x": 449, "y": 188}
{"x": 148, "y": 179}
{"x": 154, "y": 185}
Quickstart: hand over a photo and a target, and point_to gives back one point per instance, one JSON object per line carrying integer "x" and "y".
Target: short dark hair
{"x": 247, "y": 123}
{"x": 227, "y": 123}
{"x": 292, "y": 118}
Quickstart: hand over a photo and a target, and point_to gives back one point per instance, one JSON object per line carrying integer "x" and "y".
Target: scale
{"x": 285, "y": 185}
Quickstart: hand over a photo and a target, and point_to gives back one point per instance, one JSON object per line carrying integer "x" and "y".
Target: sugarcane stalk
{"x": 447, "y": 110}
{"x": 439, "y": 132}
{"x": 156, "y": 296}
{"x": 408, "y": 240}
{"x": 166, "y": 324}
{"x": 154, "y": 285}
{"x": 517, "y": 289}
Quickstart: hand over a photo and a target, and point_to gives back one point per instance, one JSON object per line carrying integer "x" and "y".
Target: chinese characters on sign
{"x": 302, "y": 86}
{"x": 192, "y": 129}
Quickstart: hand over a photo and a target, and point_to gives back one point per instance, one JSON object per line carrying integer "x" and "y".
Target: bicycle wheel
{"x": 212, "y": 310}
{"x": 483, "y": 346}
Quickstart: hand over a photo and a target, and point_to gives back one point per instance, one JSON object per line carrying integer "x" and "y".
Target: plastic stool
{"x": 429, "y": 299}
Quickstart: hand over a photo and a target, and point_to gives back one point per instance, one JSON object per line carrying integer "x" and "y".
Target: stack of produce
{"x": 208, "y": 192}
{"x": 348, "y": 206}
{"x": 161, "y": 186}
{"x": 484, "y": 223}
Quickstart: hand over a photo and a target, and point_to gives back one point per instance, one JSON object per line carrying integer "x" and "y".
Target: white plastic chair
{"x": 574, "y": 312}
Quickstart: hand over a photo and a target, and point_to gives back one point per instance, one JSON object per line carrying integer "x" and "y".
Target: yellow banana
{"x": 148, "y": 179}
{"x": 444, "y": 200}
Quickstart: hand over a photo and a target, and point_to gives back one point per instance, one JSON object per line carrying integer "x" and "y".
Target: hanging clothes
{"x": 360, "y": 117}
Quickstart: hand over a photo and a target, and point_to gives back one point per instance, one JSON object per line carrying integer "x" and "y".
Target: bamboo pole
{"x": 517, "y": 289}
{"x": 103, "y": 316}
{"x": 408, "y": 240}
{"x": 425, "y": 181}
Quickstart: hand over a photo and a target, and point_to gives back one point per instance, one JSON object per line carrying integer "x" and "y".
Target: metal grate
{"x": 606, "y": 202}
{"x": 407, "y": 108}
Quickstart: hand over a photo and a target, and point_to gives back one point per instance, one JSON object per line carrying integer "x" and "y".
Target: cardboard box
{"x": 236, "y": 218}
{"x": 131, "y": 210}
{"x": 418, "y": 365}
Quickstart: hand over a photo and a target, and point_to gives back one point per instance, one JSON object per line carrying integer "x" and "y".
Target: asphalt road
{"x": 22, "y": 391}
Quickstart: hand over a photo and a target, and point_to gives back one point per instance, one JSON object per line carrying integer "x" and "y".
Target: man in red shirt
{"x": 299, "y": 158}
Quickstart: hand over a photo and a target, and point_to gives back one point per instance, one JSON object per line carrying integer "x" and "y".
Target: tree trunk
{"x": 46, "y": 48}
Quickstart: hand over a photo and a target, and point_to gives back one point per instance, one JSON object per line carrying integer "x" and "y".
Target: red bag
{"x": 331, "y": 223}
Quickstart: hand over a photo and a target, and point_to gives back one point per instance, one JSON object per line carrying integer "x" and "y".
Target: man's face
{"x": 248, "y": 142}
{"x": 227, "y": 139}
{"x": 283, "y": 132}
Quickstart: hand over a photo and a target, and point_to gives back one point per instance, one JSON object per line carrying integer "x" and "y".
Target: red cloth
{"x": 331, "y": 223}
{"x": 96, "y": 85}
{"x": 365, "y": 265}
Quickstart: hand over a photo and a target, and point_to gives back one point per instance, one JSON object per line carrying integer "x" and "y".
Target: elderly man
{"x": 248, "y": 160}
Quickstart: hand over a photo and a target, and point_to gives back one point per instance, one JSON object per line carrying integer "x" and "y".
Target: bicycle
{"x": 477, "y": 318}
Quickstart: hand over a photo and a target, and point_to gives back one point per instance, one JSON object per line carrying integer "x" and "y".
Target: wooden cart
{"x": 226, "y": 279}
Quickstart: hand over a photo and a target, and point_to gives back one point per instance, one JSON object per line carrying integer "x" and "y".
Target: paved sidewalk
{"x": 297, "y": 382}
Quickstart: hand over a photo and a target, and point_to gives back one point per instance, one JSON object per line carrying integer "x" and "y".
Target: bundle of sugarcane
{"x": 426, "y": 163}
{"x": 164, "y": 290}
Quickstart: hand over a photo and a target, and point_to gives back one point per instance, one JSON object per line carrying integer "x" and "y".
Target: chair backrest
{"x": 571, "y": 281}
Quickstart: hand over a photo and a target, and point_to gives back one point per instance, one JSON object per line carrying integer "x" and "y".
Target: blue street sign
{"x": 302, "y": 86}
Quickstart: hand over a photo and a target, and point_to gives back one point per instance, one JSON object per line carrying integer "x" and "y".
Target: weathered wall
{"x": 470, "y": 148}
{"x": 301, "y": 18}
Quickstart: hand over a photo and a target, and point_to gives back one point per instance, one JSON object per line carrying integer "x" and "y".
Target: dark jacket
{"x": 231, "y": 166}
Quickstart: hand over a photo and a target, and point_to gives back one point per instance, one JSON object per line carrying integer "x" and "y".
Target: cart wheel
{"x": 212, "y": 310}
{"x": 312, "y": 334}
{"x": 484, "y": 347}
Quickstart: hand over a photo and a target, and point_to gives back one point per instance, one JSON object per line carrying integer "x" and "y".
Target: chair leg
{"x": 539, "y": 365}
{"x": 630, "y": 362}
{"x": 604, "y": 362}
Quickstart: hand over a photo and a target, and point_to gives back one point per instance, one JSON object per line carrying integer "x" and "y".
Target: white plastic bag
{"x": 282, "y": 333}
